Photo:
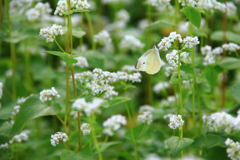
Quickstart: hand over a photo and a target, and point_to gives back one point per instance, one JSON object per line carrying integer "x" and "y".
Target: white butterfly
{"x": 149, "y": 61}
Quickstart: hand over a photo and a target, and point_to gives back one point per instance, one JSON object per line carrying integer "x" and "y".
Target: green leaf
{"x": 118, "y": 100}
{"x": 161, "y": 23}
{"x": 67, "y": 13}
{"x": 187, "y": 69}
{"x": 4, "y": 31}
{"x": 174, "y": 78}
{"x": 66, "y": 155}
{"x": 78, "y": 32}
{"x": 176, "y": 144}
{"x": 229, "y": 63}
{"x": 103, "y": 146}
{"x": 80, "y": 10}
{"x": 216, "y": 153}
{"x": 6, "y": 111}
{"x": 230, "y": 36}
{"x": 85, "y": 154}
{"x": 208, "y": 141}
{"x": 193, "y": 15}
{"x": 64, "y": 56}
{"x": 140, "y": 133}
{"x": 211, "y": 74}
{"x": 235, "y": 92}
{"x": 31, "y": 109}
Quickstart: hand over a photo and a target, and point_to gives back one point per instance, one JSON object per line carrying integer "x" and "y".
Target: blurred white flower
{"x": 82, "y": 62}
{"x": 157, "y": 88}
{"x": 38, "y": 11}
{"x": 4, "y": 146}
{"x": 23, "y": 136}
{"x": 232, "y": 149}
{"x": 57, "y": 137}
{"x": 123, "y": 15}
{"x": 231, "y": 47}
{"x": 103, "y": 37}
{"x": 113, "y": 124}
{"x": 86, "y": 128}
{"x": 49, "y": 94}
{"x": 176, "y": 122}
{"x": 131, "y": 43}
{"x": 50, "y": 32}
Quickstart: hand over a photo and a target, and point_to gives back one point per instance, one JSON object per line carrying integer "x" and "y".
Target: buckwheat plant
{"x": 49, "y": 94}
{"x": 57, "y": 137}
{"x": 232, "y": 149}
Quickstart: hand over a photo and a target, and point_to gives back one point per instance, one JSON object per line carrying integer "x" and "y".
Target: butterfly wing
{"x": 153, "y": 63}
{"x": 141, "y": 63}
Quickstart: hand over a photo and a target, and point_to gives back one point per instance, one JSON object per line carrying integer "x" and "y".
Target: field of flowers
{"x": 119, "y": 80}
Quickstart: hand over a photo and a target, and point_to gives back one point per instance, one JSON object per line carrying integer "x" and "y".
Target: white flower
{"x": 103, "y": 37}
{"x": 86, "y": 128}
{"x": 82, "y": 62}
{"x": 189, "y": 42}
{"x": 51, "y": 33}
{"x": 210, "y": 55}
{"x": 79, "y": 104}
{"x": 4, "y": 146}
{"x": 145, "y": 117}
{"x": 219, "y": 121}
{"x": 231, "y": 9}
{"x": 49, "y": 94}
{"x": 233, "y": 149}
{"x": 129, "y": 68}
{"x": 172, "y": 58}
{"x": 206, "y": 50}
{"x": 231, "y": 47}
{"x": 38, "y": 11}
{"x": 130, "y": 42}
{"x": 57, "y": 137}
{"x": 157, "y": 88}
{"x": 123, "y": 15}
{"x": 176, "y": 122}
{"x": 113, "y": 123}
{"x": 23, "y": 136}
{"x": 16, "y": 110}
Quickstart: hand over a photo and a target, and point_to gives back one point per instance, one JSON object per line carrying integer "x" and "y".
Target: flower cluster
{"x": 4, "y": 146}
{"x": 157, "y": 88}
{"x": 16, "y": 110}
{"x": 98, "y": 81}
{"x": 176, "y": 122}
{"x": 219, "y": 121}
{"x": 23, "y": 136}
{"x": 113, "y": 123}
{"x": 129, "y": 68}
{"x": 82, "y": 62}
{"x": 49, "y": 94}
{"x": 158, "y": 2}
{"x": 89, "y": 108}
{"x": 74, "y": 4}
{"x": 187, "y": 42}
{"x": 173, "y": 58}
{"x": 232, "y": 47}
{"x": 103, "y": 37}
{"x": 123, "y": 15}
{"x": 19, "y": 6}
{"x": 57, "y": 137}
{"x": 38, "y": 11}
{"x": 51, "y": 32}
{"x": 86, "y": 128}
{"x": 231, "y": 9}
{"x": 130, "y": 42}
{"x": 145, "y": 114}
{"x": 208, "y": 5}
{"x": 233, "y": 149}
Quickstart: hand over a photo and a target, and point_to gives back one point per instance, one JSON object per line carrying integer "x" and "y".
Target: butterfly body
{"x": 149, "y": 61}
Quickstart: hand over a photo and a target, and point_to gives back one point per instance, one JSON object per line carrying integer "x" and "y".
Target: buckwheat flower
{"x": 231, "y": 47}
{"x": 158, "y": 2}
{"x": 217, "y": 50}
{"x": 142, "y": 24}
{"x": 123, "y": 15}
{"x": 51, "y": 33}
{"x": 145, "y": 117}
{"x": 102, "y": 37}
{"x": 1, "y": 91}
{"x": 19, "y": 6}
{"x": 79, "y": 104}
{"x": 93, "y": 107}
{"x": 231, "y": 9}
{"x": 219, "y": 121}
{"x": 82, "y": 4}
{"x": 16, "y": 110}
{"x": 49, "y": 94}
{"x": 110, "y": 92}
{"x": 113, "y": 124}
{"x": 145, "y": 108}
{"x": 174, "y": 36}
{"x": 22, "y": 100}
{"x": 168, "y": 71}
{"x": 40, "y": 9}
{"x": 219, "y": 6}
{"x": 23, "y": 136}
{"x": 176, "y": 122}
{"x": 130, "y": 42}
{"x": 86, "y": 128}
{"x": 129, "y": 68}
{"x": 135, "y": 77}
{"x": 165, "y": 44}
{"x": 82, "y": 62}
{"x": 4, "y": 146}
{"x": 62, "y": 6}
{"x": 206, "y": 50}
{"x": 189, "y": 42}
{"x": 57, "y": 137}
{"x": 172, "y": 58}
{"x": 157, "y": 88}
{"x": 233, "y": 149}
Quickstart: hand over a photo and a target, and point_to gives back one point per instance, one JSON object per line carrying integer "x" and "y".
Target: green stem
{"x": 59, "y": 46}
{"x": 132, "y": 135}
{"x": 176, "y": 13}
{"x": 60, "y": 119}
{"x": 28, "y": 81}
{"x": 12, "y": 51}
{"x": 89, "y": 20}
